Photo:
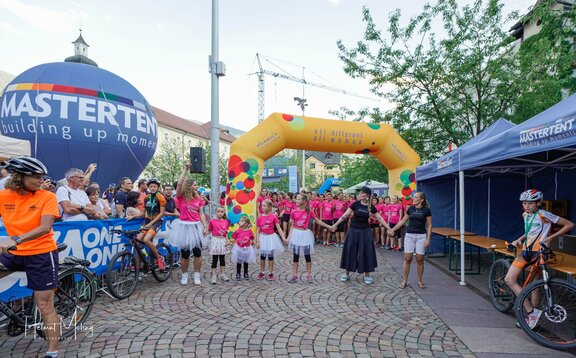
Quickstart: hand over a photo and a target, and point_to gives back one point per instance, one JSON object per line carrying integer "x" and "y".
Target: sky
{"x": 162, "y": 48}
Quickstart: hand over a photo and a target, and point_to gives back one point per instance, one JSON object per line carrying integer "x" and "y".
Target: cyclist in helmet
{"x": 28, "y": 213}
{"x": 537, "y": 225}
{"x": 154, "y": 207}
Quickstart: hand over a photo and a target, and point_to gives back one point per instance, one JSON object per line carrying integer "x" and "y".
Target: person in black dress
{"x": 359, "y": 252}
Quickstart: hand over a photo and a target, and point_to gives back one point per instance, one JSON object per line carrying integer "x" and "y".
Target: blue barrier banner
{"x": 89, "y": 240}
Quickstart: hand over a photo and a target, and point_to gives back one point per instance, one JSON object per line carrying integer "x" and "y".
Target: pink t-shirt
{"x": 339, "y": 209}
{"x": 326, "y": 209}
{"x": 259, "y": 202}
{"x": 218, "y": 227}
{"x": 395, "y": 210}
{"x": 243, "y": 237}
{"x": 190, "y": 210}
{"x": 301, "y": 219}
{"x": 384, "y": 211}
{"x": 266, "y": 223}
{"x": 288, "y": 207}
{"x": 315, "y": 205}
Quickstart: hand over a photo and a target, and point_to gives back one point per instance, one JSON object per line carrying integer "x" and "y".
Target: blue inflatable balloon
{"x": 75, "y": 114}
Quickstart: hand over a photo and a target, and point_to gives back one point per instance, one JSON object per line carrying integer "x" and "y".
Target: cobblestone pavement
{"x": 253, "y": 318}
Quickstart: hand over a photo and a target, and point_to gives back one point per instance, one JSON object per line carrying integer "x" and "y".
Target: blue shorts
{"x": 41, "y": 269}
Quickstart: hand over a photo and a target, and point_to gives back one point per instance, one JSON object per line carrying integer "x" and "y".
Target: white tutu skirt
{"x": 185, "y": 235}
{"x": 271, "y": 245}
{"x": 218, "y": 245}
{"x": 242, "y": 255}
{"x": 301, "y": 242}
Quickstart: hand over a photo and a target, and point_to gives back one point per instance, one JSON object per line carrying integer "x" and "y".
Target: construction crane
{"x": 262, "y": 72}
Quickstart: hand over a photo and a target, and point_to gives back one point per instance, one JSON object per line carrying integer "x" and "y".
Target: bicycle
{"x": 73, "y": 301}
{"x": 123, "y": 271}
{"x": 555, "y": 297}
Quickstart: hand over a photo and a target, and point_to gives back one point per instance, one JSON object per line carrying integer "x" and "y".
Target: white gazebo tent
{"x": 10, "y": 147}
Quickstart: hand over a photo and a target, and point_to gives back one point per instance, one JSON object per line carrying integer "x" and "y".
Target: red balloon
{"x": 287, "y": 117}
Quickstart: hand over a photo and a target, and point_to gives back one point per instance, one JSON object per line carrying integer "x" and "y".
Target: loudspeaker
{"x": 198, "y": 160}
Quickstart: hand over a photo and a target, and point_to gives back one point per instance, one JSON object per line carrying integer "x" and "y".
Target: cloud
{"x": 7, "y": 27}
{"x": 335, "y": 2}
{"x": 42, "y": 18}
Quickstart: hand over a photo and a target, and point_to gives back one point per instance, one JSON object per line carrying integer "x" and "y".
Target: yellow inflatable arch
{"x": 281, "y": 131}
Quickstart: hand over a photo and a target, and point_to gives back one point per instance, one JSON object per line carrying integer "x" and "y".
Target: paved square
{"x": 253, "y": 318}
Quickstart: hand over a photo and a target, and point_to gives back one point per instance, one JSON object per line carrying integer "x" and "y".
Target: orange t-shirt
{"x": 22, "y": 213}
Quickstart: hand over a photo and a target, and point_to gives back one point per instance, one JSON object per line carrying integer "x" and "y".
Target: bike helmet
{"x": 154, "y": 181}
{"x": 25, "y": 165}
{"x": 531, "y": 195}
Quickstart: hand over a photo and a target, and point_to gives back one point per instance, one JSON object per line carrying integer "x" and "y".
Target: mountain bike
{"x": 556, "y": 298}
{"x": 73, "y": 301}
{"x": 123, "y": 271}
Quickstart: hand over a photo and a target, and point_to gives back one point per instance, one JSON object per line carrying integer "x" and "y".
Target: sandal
{"x": 421, "y": 285}
{"x": 403, "y": 285}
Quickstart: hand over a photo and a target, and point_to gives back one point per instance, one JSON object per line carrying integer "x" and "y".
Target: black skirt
{"x": 359, "y": 252}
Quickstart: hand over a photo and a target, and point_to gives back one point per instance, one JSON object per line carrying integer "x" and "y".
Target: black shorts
{"x": 285, "y": 218}
{"x": 341, "y": 227}
{"x": 41, "y": 269}
{"x": 156, "y": 227}
{"x": 374, "y": 225}
{"x": 328, "y": 222}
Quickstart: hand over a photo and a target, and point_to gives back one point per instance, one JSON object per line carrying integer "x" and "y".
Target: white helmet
{"x": 531, "y": 195}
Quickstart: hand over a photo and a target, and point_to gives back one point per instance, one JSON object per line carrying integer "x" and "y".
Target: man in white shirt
{"x": 73, "y": 199}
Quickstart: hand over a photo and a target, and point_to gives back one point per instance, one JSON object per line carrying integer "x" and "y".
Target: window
{"x": 328, "y": 167}
{"x": 312, "y": 165}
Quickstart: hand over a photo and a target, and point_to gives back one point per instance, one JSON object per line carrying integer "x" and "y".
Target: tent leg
{"x": 462, "y": 226}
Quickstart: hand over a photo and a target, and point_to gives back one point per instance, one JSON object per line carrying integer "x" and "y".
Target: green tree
{"x": 442, "y": 89}
{"x": 169, "y": 160}
{"x": 359, "y": 168}
{"x": 547, "y": 59}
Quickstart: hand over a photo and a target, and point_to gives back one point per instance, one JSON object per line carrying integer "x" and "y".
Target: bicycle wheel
{"x": 556, "y": 327}
{"x": 74, "y": 299}
{"x": 122, "y": 275}
{"x": 164, "y": 274}
{"x": 501, "y": 295}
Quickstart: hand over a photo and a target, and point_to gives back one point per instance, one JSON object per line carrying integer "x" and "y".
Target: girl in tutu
{"x": 243, "y": 251}
{"x": 218, "y": 228}
{"x": 301, "y": 239}
{"x": 268, "y": 241}
{"x": 187, "y": 233}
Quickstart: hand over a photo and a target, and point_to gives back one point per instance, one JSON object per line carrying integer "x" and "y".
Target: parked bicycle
{"x": 124, "y": 270}
{"x": 73, "y": 301}
{"x": 556, "y": 298}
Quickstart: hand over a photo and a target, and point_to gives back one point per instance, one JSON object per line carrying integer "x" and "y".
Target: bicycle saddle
{"x": 72, "y": 260}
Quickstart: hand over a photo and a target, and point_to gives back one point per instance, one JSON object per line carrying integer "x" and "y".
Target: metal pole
{"x": 216, "y": 70}
{"x": 303, "y": 161}
{"x": 462, "y": 225}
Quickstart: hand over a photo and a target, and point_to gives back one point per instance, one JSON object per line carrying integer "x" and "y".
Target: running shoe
{"x": 184, "y": 279}
{"x": 293, "y": 279}
{"x": 260, "y": 276}
{"x": 224, "y": 277}
{"x": 533, "y": 318}
{"x": 246, "y": 276}
{"x": 160, "y": 263}
{"x": 344, "y": 277}
{"x": 214, "y": 279}
{"x": 368, "y": 280}
{"x": 197, "y": 278}
{"x": 309, "y": 279}
{"x": 271, "y": 277}
{"x": 238, "y": 277}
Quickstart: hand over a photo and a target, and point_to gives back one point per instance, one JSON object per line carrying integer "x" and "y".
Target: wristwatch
{"x": 81, "y": 207}
{"x": 16, "y": 239}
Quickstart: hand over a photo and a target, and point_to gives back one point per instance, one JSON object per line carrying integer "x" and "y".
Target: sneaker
{"x": 246, "y": 276}
{"x": 260, "y": 276}
{"x": 238, "y": 277}
{"x": 293, "y": 279}
{"x": 271, "y": 277}
{"x": 213, "y": 279}
{"x": 197, "y": 278}
{"x": 184, "y": 279}
{"x": 388, "y": 247}
{"x": 160, "y": 263}
{"x": 309, "y": 279}
{"x": 533, "y": 318}
{"x": 224, "y": 277}
{"x": 344, "y": 277}
{"x": 368, "y": 280}
{"x": 396, "y": 248}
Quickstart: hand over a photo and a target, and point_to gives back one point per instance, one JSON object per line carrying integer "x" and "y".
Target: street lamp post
{"x": 302, "y": 103}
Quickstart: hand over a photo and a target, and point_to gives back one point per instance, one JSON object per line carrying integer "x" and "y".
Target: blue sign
{"x": 89, "y": 240}
{"x": 75, "y": 114}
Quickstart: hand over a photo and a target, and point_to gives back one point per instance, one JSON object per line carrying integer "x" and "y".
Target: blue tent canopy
{"x": 450, "y": 163}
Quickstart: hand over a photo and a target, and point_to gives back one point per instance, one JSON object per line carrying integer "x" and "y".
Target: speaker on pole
{"x": 198, "y": 160}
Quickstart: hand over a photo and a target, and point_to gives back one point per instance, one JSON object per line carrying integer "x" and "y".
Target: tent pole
{"x": 462, "y": 240}
{"x": 489, "y": 187}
